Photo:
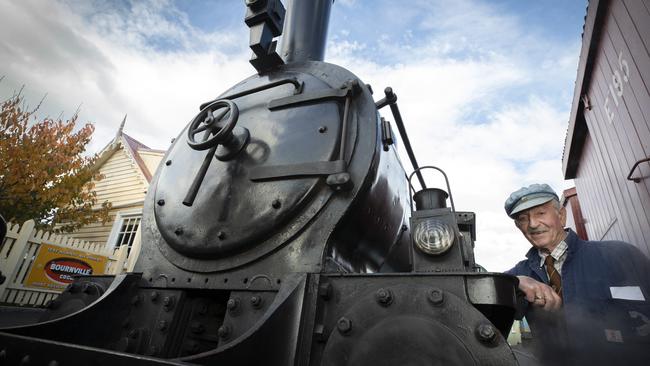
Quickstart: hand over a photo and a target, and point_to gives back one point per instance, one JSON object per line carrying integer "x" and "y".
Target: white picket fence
{"x": 19, "y": 250}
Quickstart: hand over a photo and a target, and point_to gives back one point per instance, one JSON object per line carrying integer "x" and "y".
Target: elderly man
{"x": 586, "y": 300}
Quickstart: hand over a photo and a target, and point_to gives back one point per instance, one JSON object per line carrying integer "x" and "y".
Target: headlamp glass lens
{"x": 433, "y": 236}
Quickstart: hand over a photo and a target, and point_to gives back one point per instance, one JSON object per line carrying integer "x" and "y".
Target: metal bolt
{"x": 162, "y": 325}
{"x": 168, "y": 162}
{"x": 384, "y": 297}
{"x": 436, "y": 296}
{"x": 223, "y": 331}
{"x": 486, "y": 333}
{"x": 154, "y": 296}
{"x": 178, "y": 231}
{"x": 221, "y": 235}
{"x": 168, "y": 303}
{"x": 404, "y": 228}
{"x": 161, "y": 202}
{"x": 325, "y": 290}
{"x": 197, "y": 328}
{"x": 25, "y": 360}
{"x": 233, "y": 304}
{"x": 344, "y": 325}
{"x": 256, "y": 301}
{"x": 276, "y": 204}
{"x": 322, "y": 129}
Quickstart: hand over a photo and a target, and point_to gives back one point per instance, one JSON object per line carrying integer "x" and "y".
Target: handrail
{"x": 629, "y": 176}
{"x": 391, "y": 100}
{"x": 411, "y": 189}
{"x": 298, "y": 86}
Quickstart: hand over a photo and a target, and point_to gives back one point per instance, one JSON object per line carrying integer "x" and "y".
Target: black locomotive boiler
{"x": 280, "y": 229}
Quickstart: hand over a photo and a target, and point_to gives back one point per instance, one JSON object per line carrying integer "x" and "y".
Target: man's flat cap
{"x": 527, "y": 197}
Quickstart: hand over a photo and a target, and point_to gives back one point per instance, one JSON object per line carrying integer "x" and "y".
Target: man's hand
{"x": 539, "y": 294}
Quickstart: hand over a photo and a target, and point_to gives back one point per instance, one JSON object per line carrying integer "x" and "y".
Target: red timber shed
{"x": 607, "y": 148}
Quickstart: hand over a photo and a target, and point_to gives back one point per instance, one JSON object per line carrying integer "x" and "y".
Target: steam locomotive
{"x": 282, "y": 229}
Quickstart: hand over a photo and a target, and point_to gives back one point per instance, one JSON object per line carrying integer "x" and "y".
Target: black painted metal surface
{"x": 224, "y": 220}
{"x": 225, "y": 227}
{"x": 305, "y": 30}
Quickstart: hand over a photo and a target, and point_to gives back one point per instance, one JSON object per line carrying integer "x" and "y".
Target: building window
{"x": 125, "y": 228}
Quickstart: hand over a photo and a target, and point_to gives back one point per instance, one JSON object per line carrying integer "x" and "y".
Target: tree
{"x": 44, "y": 174}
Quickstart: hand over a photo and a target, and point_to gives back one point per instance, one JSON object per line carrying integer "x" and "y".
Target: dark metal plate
{"x": 224, "y": 218}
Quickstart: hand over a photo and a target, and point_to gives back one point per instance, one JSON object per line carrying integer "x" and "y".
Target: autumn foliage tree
{"x": 44, "y": 174}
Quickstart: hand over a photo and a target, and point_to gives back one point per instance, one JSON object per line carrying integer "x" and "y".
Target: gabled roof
{"x": 133, "y": 149}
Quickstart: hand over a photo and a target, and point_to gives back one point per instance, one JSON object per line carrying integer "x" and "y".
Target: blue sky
{"x": 485, "y": 86}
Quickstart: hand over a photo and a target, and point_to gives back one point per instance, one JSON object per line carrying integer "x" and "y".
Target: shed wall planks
{"x": 619, "y": 128}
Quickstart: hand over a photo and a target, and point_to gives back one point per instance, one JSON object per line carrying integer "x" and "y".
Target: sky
{"x": 484, "y": 86}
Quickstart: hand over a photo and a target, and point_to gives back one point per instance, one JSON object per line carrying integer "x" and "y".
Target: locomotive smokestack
{"x": 305, "y": 30}
{"x": 430, "y": 199}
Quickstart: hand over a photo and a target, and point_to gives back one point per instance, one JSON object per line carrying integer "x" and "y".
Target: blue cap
{"x": 527, "y": 197}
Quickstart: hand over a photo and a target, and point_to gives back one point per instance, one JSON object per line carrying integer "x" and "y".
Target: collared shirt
{"x": 559, "y": 254}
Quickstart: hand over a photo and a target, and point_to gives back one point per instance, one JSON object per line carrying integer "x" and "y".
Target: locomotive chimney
{"x": 430, "y": 199}
{"x": 305, "y": 30}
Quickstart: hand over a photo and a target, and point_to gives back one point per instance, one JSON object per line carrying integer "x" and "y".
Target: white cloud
{"x": 104, "y": 61}
{"x": 347, "y": 2}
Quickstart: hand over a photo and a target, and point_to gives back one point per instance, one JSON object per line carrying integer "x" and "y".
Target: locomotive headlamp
{"x": 433, "y": 236}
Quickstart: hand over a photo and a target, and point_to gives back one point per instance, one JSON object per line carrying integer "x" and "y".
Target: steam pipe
{"x": 305, "y": 30}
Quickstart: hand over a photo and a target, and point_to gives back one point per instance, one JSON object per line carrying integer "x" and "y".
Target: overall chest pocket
{"x": 617, "y": 330}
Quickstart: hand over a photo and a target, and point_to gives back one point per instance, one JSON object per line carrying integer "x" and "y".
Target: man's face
{"x": 542, "y": 225}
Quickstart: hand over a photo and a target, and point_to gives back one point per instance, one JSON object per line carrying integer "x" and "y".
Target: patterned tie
{"x": 553, "y": 275}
